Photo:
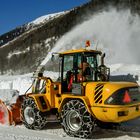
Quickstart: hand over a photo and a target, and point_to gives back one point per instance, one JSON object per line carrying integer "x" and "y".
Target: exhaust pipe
{"x": 39, "y": 72}
{"x": 102, "y": 59}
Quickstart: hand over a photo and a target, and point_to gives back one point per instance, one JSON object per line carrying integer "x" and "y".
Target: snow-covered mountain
{"x": 29, "y": 47}
{"x": 44, "y": 19}
{"x": 104, "y": 21}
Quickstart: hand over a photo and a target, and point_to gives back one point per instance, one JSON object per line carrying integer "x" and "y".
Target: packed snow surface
{"x": 54, "y": 131}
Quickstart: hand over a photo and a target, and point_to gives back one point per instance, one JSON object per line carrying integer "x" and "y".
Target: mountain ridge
{"x": 40, "y": 39}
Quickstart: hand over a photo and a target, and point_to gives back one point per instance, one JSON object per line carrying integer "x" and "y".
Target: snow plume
{"x": 117, "y": 34}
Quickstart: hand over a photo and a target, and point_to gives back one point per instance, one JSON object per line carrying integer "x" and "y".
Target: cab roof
{"x": 81, "y": 51}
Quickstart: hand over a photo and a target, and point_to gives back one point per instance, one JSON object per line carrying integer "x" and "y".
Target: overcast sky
{"x": 14, "y": 13}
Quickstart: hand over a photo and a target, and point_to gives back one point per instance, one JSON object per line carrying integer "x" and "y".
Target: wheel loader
{"x": 82, "y": 98}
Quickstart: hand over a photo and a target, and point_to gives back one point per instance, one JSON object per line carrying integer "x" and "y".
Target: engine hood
{"x": 100, "y": 91}
{"x": 111, "y": 86}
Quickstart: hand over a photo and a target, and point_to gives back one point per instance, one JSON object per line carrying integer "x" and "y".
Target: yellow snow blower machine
{"x": 82, "y": 97}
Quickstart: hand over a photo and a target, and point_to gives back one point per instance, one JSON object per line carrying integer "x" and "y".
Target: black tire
{"x": 76, "y": 120}
{"x": 32, "y": 118}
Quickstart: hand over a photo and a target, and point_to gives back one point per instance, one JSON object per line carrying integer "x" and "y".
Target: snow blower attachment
{"x": 10, "y": 105}
{"x": 4, "y": 115}
{"x": 10, "y": 101}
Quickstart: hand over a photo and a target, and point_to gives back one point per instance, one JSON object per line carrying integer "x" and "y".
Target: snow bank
{"x": 22, "y": 83}
{"x": 19, "y": 82}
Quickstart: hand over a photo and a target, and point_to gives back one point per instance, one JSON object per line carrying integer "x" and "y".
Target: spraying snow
{"x": 117, "y": 32}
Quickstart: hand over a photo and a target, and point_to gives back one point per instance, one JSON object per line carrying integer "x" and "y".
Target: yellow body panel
{"x": 52, "y": 92}
{"x": 110, "y": 114}
{"x": 53, "y": 89}
{"x": 38, "y": 103}
{"x": 80, "y": 51}
{"x": 108, "y": 89}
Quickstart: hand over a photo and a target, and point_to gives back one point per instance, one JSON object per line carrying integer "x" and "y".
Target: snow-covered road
{"x": 128, "y": 131}
{"x": 21, "y": 133}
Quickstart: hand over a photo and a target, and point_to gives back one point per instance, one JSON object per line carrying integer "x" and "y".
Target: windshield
{"x": 82, "y": 66}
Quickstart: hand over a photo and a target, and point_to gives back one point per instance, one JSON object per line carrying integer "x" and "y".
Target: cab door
{"x": 70, "y": 71}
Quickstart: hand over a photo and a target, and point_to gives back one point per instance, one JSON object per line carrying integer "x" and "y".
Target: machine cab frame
{"x": 78, "y": 67}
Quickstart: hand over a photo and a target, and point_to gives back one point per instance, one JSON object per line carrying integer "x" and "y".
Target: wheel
{"x": 32, "y": 118}
{"x": 76, "y": 120}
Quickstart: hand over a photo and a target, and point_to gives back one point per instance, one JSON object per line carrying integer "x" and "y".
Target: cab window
{"x": 68, "y": 65}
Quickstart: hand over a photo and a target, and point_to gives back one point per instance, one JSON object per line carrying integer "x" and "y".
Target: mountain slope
{"x": 24, "y": 48}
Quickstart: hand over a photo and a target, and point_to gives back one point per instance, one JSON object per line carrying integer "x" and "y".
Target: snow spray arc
{"x": 117, "y": 31}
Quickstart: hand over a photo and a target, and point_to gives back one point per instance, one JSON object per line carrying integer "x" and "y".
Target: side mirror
{"x": 54, "y": 56}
